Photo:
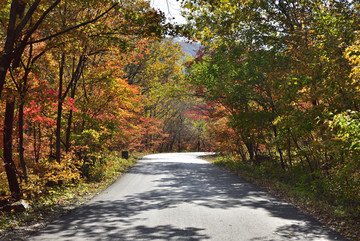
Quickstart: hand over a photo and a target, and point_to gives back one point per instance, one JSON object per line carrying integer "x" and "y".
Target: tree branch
{"x": 27, "y": 17}
{"x": 37, "y": 24}
{"x": 74, "y": 27}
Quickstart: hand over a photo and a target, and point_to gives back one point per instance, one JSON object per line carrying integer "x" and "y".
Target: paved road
{"x": 181, "y": 197}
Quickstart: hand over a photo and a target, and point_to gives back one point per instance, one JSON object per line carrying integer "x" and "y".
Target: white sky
{"x": 171, "y": 8}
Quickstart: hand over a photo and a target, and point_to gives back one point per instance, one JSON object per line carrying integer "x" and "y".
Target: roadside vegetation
{"x": 61, "y": 198}
{"x": 313, "y": 197}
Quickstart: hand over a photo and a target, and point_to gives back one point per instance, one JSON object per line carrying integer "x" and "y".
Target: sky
{"x": 171, "y": 8}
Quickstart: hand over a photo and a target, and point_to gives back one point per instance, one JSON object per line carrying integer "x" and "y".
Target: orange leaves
{"x": 149, "y": 134}
{"x": 138, "y": 53}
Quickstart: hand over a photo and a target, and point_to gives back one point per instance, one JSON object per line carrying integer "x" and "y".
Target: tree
{"x": 77, "y": 34}
{"x": 283, "y": 70}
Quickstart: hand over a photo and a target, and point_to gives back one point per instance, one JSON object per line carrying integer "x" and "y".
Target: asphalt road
{"x": 181, "y": 197}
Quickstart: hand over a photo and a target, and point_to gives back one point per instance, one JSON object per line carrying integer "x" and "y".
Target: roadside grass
{"x": 311, "y": 197}
{"x": 60, "y": 199}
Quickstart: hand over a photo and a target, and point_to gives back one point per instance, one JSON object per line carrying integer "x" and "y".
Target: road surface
{"x": 181, "y": 197}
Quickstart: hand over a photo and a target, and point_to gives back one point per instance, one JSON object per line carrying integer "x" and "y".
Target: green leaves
{"x": 347, "y": 127}
{"x": 280, "y": 68}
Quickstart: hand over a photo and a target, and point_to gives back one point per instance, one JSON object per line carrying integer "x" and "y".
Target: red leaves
{"x": 51, "y": 93}
{"x": 70, "y": 104}
{"x": 33, "y": 108}
{"x": 199, "y": 112}
{"x": 34, "y": 112}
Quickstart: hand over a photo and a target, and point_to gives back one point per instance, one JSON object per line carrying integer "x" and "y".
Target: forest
{"x": 82, "y": 79}
{"x": 274, "y": 88}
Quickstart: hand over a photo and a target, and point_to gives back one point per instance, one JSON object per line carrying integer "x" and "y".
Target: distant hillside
{"x": 188, "y": 48}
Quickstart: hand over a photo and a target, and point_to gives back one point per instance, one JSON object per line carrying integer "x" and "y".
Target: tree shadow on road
{"x": 179, "y": 183}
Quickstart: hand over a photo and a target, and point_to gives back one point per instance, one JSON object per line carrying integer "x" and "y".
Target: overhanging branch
{"x": 74, "y": 27}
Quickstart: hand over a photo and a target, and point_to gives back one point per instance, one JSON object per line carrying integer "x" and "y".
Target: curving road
{"x": 181, "y": 197}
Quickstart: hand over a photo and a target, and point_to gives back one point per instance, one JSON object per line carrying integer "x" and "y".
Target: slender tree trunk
{"x": 36, "y": 156}
{"x": 171, "y": 145}
{"x": 306, "y": 156}
{"x": 58, "y": 131}
{"x": 51, "y": 155}
{"x": 198, "y": 144}
{"x": 289, "y": 146}
{"x": 68, "y": 132}
{"x": 74, "y": 80}
{"x": 289, "y": 151}
{"x": 59, "y": 111}
{"x": 68, "y": 129}
{"x": 10, "y": 167}
{"x": 279, "y": 150}
{"x": 22, "y": 90}
{"x": 21, "y": 141}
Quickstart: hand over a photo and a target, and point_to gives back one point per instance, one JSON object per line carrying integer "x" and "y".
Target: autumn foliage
{"x": 80, "y": 79}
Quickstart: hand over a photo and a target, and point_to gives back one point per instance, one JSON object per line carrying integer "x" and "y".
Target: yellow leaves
{"x": 304, "y": 90}
{"x": 50, "y": 171}
{"x": 352, "y": 53}
{"x": 207, "y": 31}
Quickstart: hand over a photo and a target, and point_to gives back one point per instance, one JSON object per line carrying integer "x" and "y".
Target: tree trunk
{"x": 68, "y": 129}
{"x": 4, "y": 66}
{"x": 59, "y": 111}
{"x": 198, "y": 144}
{"x": 289, "y": 151}
{"x": 58, "y": 131}
{"x": 36, "y": 153}
{"x": 10, "y": 167}
{"x": 21, "y": 141}
{"x": 279, "y": 150}
{"x": 74, "y": 81}
{"x": 306, "y": 156}
{"x": 250, "y": 147}
{"x": 68, "y": 132}
{"x": 16, "y": 11}
{"x": 240, "y": 149}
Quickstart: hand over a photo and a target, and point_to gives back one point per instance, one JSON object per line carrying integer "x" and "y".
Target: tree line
{"x": 80, "y": 79}
{"x": 281, "y": 79}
